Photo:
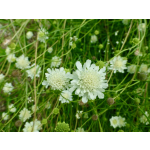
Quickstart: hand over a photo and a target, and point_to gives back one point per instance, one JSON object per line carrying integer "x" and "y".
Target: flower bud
{"x": 137, "y": 100}
{"x": 62, "y": 127}
{"x": 94, "y": 117}
{"x": 55, "y": 111}
{"x": 100, "y": 46}
{"x": 100, "y": 64}
{"x": 44, "y": 121}
{"x": 135, "y": 41}
{"x": 96, "y": 32}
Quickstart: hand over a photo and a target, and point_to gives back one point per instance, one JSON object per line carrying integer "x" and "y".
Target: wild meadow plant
{"x": 74, "y": 75}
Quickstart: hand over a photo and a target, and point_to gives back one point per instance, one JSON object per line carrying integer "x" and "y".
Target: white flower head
{"x": 114, "y": 121}
{"x": 142, "y": 27}
{"x": 28, "y": 127}
{"x": 94, "y": 39}
{"x": 38, "y": 124}
{"x": 33, "y": 108}
{"x": 24, "y": 114}
{"x": 89, "y": 81}
{"x": 8, "y": 50}
{"x": 122, "y": 122}
{"x": 143, "y": 118}
{"x": 58, "y": 79}
{"x": 56, "y": 61}
{"x": 5, "y": 116}
{"x": 11, "y": 58}
{"x": 8, "y": 88}
{"x": 42, "y": 35}
{"x": 30, "y": 100}
{"x": 12, "y": 108}
{"x": 116, "y": 33}
{"x": 48, "y": 105}
{"x": 78, "y": 114}
{"x": 131, "y": 69}
{"x": 79, "y": 129}
{"x": 118, "y": 64}
{"x": 29, "y": 34}
{"x": 143, "y": 68}
{"x": 34, "y": 71}
{"x": 117, "y": 42}
{"x": 65, "y": 97}
{"x": 50, "y": 49}
{"x": 1, "y": 77}
{"x": 22, "y": 62}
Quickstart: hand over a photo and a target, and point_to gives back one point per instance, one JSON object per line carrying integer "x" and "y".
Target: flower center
{"x": 118, "y": 64}
{"x": 114, "y": 121}
{"x": 90, "y": 80}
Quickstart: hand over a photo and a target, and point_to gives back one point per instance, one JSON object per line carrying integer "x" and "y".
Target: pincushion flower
{"x": 94, "y": 39}
{"x": 11, "y": 58}
{"x": 114, "y": 121}
{"x": 58, "y": 79}
{"x": 29, "y": 34}
{"x": 34, "y": 71}
{"x": 118, "y": 64}
{"x": 122, "y": 122}
{"x": 38, "y": 124}
{"x": 65, "y": 96}
{"x": 28, "y": 127}
{"x": 42, "y": 35}
{"x": 8, "y": 88}
{"x": 5, "y": 116}
{"x": 143, "y": 118}
{"x": 132, "y": 69}
{"x": 11, "y": 108}
{"x": 50, "y": 49}
{"x": 143, "y": 68}
{"x": 1, "y": 77}
{"x": 22, "y": 62}
{"x": 89, "y": 81}
{"x": 8, "y": 50}
{"x": 24, "y": 114}
{"x": 56, "y": 61}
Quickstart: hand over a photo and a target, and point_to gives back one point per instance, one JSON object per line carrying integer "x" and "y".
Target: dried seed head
{"x": 110, "y": 101}
{"x": 16, "y": 73}
{"x": 94, "y": 117}
{"x": 93, "y": 57}
{"x": 81, "y": 103}
{"x": 18, "y": 123}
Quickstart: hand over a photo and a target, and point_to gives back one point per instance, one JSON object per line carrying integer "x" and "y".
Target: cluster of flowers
{"x": 117, "y": 121}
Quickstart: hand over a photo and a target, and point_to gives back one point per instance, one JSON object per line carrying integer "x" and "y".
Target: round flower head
{"x": 48, "y": 105}
{"x": 143, "y": 68}
{"x": 58, "y": 79}
{"x": 56, "y": 61}
{"x": 1, "y": 77}
{"x": 28, "y": 127}
{"x": 143, "y": 118}
{"x": 88, "y": 81}
{"x": 34, "y": 71}
{"x": 24, "y": 114}
{"x": 142, "y": 27}
{"x": 33, "y": 108}
{"x": 7, "y": 51}
{"x": 131, "y": 69}
{"x": 125, "y": 21}
{"x": 118, "y": 64}
{"x": 12, "y": 108}
{"x": 137, "y": 53}
{"x": 5, "y": 116}
{"x": 79, "y": 114}
{"x": 42, "y": 35}
{"x": 38, "y": 124}
{"x": 65, "y": 97}
{"x": 50, "y": 49}
{"x": 122, "y": 122}
{"x": 93, "y": 39}
{"x": 114, "y": 121}
{"x": 22, "y": 62}
{"x": 8, "y": 88}
{"x": 62, "y": 127}
{"x": 29, "y": 35}
{"x": 80, "y": 130}
{"x": 11, "y": 58}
